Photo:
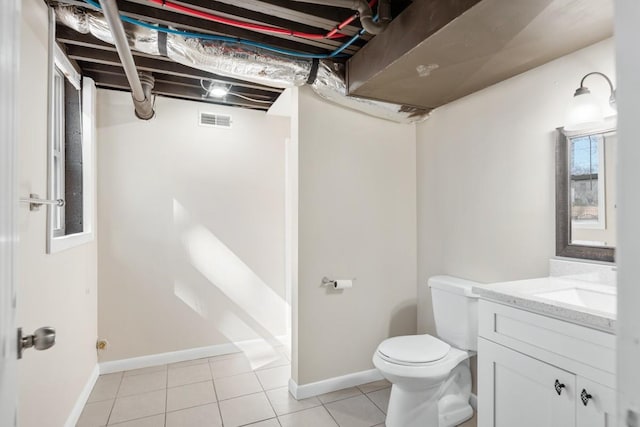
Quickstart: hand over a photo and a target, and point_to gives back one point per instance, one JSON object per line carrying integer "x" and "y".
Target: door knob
{"x": 558, "y": 386}
{"x": 41, "y": 339}
{"x": 585, "y": 397}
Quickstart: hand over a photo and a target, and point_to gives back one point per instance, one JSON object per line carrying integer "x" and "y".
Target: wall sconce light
{"x": 585, "y": 112}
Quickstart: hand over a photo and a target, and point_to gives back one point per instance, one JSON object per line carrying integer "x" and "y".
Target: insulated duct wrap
{"x": 233, "y": 60}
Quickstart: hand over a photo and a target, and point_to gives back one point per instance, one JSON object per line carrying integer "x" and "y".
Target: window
{"x": 587, "y": 181}
{"x": 70, "y": 156}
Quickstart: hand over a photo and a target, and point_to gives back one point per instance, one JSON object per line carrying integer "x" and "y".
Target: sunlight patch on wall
{"x": 264, "y": 342}
{"x": 189, "y": 297}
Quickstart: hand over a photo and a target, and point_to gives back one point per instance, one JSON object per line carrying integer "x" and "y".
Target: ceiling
{"x": 432, "y": 52}
{"x": 458, "y": 47}
{"x": 100, "y": 61}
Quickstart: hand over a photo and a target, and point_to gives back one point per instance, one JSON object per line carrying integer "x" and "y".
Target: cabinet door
{"x": 596, "y": 404}
{"x": 517, "y": 390}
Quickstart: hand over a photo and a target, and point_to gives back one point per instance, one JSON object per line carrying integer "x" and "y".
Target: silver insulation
{"x": 241, "y": 62}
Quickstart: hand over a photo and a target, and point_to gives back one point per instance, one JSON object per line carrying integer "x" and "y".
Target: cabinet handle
{"x": 558, "y": 386}
{"x": 585, "y": 397}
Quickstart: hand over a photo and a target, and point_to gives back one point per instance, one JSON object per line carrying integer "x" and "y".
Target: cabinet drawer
{"x": 580, "y": 349}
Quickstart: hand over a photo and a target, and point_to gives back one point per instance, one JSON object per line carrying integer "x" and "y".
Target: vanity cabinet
{"x": 534, "y": 370}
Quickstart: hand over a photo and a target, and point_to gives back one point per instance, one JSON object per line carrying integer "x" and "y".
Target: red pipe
{"x": 333, "y": 34}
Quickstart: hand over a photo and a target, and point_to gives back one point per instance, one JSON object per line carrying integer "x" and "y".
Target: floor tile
{"x": 199, "y": 416}
{"x": 273, "y": 422}
{"x": 374, "y": 386}
{"x": 246, "y": 409}
{"x": 314, "y": 417}
{"x": 154, "y": 421}
{"x": 355, "y": 412}
{"x": 381, "y": 398}
{"x": 95, "y": 414}
{"x": 473, "y": 422}
{"x": 227, "y": 356}
{"x": 143, "y": 383}
{"x": 271, "y": 362}
{"x": 283, "y": 403}
{"x": 230, "y": 366}
{"x": 239, "y": 385}
{"x": 189, "y": 374}
{"x": 106, "y": 387}
{"x": 138, "y": 406}
{"x": 274, "y": 377}
{"x": 340, "y": 394}
{"x": 149, "y": 370}
{"x": 187, "y": 396}
{"x": 186, "y": 363}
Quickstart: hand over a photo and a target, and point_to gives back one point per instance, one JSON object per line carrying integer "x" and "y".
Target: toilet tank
{"x": 455, "y": 310}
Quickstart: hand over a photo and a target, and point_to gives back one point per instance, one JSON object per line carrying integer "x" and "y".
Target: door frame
{"x": 9, "y": 60}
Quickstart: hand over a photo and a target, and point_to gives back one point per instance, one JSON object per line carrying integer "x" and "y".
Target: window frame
{"x": 56, "y": 240}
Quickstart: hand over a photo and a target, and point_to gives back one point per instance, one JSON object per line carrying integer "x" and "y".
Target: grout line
{"x": 330, "y": 414}
{"x": 384, "y": 411}
{"x": 166, "y": 397}
{"x": 115, "y": 398}
{"x": 215, "y": 392}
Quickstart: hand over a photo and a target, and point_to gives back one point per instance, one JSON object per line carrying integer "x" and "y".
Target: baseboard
{"x": 473, "y": 401}
{"x": 73, "y": 418}
{"x": 165, "y": 358}
{"x": 332, "y": 384}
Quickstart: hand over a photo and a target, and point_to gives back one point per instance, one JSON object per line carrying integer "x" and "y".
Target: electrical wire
{"x": 333, "y": 34}
{"x": 228, "y": 39}
{"x": 261, "y": 101}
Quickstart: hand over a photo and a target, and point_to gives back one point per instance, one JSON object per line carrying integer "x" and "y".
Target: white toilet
{"x": 431, "y": 378}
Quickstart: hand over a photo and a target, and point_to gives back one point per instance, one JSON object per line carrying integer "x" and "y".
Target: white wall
{"x": 356, "y": 219}
{"x": 192, "y": 220}
{"x": 486, "y": 164}
{"x": 56, "y": 290}
{"x": 628, "y": 67}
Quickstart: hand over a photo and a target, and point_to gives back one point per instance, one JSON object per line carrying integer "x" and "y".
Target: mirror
{"x": 585, "y": 194}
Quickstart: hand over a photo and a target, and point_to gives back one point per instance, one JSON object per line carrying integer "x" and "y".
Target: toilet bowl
{"x": 430, "y": 376}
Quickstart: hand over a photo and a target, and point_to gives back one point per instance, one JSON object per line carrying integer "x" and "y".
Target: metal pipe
{"x": 142, "y": 101}
{"x": 364, "y": 10}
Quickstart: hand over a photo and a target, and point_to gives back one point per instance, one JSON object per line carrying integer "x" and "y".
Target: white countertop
{"x": 524, "y": 294}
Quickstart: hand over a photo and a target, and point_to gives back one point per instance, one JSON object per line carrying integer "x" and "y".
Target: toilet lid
{"x": 414, "y": 348}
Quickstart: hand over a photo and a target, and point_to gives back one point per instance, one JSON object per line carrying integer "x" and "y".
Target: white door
{"x": 517, "y": 390}
{"x": 9, "y": 48}
{"x": 627, "y": 34}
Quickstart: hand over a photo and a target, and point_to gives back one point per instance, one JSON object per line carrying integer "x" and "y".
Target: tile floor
{"x": 226, "y": 391}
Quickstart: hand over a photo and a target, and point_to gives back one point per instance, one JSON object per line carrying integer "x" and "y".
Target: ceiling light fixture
{"x": 214, "y": 89}
{"x": 585, "y": 111}
{"x": 218, "y": 91}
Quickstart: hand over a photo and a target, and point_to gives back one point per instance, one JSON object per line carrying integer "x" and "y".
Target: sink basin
{"x": 587, "y": 298}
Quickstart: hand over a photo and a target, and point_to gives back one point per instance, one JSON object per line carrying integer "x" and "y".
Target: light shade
{"x": 584, "y": 112}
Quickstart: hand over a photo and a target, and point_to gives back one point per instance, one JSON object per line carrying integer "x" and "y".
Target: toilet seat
{"x": 439, "y": 367}
{"x": 412, "y": 350}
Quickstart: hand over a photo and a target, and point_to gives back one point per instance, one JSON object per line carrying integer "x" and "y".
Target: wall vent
{"x": 215, "y": 120}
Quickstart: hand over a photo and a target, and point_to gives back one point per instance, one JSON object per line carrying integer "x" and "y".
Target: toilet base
{"x": 413, "y": 408}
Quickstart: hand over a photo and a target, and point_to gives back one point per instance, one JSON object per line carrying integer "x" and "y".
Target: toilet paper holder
{"x": 328, "y": 282}
{"x": 337, "y": 283}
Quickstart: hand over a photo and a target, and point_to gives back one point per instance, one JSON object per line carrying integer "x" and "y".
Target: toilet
{"x": 430, "y": 376}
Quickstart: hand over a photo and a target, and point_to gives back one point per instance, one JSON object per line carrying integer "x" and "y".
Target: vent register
{"x": 215, "y": 120}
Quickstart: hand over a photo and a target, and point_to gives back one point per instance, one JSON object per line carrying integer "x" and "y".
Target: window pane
{"x": 585, "y": 170}
{"x": 73, "y": 161}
